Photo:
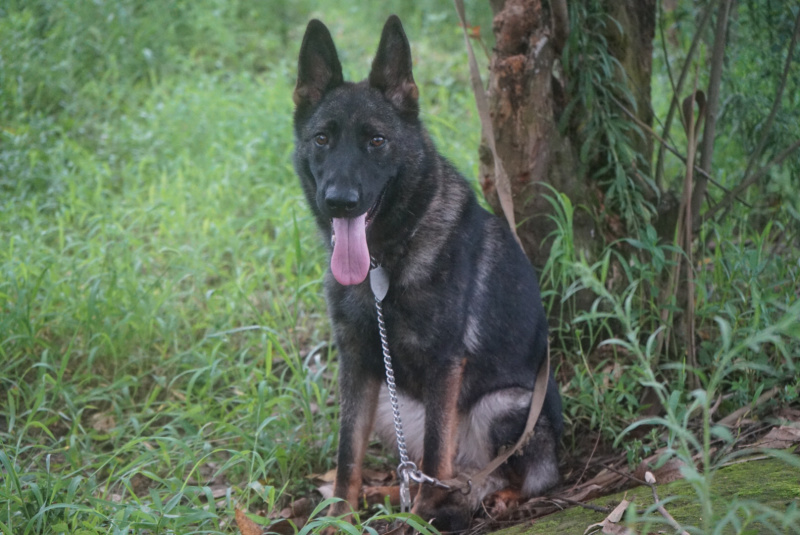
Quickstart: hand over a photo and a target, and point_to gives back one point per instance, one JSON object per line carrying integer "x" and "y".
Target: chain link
{"x": 407, "y": 469}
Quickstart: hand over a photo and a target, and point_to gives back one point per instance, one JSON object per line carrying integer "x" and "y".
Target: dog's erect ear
{"x": 391, "y": 68}
{"x": 318, "y": 69}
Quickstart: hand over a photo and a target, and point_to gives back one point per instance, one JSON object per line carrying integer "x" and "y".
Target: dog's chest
{"x": 421, "y": 333}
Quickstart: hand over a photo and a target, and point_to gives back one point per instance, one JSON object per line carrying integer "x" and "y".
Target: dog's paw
{"x": 447, "y": 511}
{"x": 502, "y": 502}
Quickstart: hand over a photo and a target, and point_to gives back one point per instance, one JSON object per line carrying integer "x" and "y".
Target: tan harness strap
{"x": 502, "y": 182}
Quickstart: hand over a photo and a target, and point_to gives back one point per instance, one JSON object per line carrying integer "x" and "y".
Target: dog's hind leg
{"x": 534, "y": 469}
{"x": 497, "y": 421}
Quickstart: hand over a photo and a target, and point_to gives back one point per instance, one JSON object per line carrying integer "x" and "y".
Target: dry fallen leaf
{"x": 789, "y": 414}
{"x": 378, "y": 495}
{"x": 288, "y": 526}
{"x": 616, "y": 529}
{"x": 376, "y": 477}
{"x": 588, "y": 492}
{"x": 246, "y": 526}
{"x": 327, "y": 477}
{"x": 297, "y": 508}
{"x": 103, "y": 422}
{"x": 780, "y": 438}
{"x": 219, "y": 491}
{"x": 326, "y": 490}
{"x": 616, "y": 515}
{"x": 610, "y": 525}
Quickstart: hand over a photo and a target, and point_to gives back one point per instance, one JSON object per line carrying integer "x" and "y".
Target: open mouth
{"x": 350, "y": 259}
{"x": 367, "y": 221}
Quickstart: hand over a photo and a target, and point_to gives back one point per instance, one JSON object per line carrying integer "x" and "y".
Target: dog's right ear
{"x": 318, "y": 69}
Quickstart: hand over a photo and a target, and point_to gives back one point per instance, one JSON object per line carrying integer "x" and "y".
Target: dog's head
{"x": 353, "y": 140}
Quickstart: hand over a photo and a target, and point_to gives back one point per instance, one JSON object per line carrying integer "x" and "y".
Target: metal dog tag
{"x": 379, "y": 282}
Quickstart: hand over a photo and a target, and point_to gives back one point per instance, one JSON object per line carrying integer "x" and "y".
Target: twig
{"x": 597, "y": 508}
{"x": 733, "y": 417}
{"x": 625, "y": 475}
{"x": 589, "y": 460}
{"x": 749, "y": 181}
{"x": 684, "y": 71}
{"x": 661, "y": 509}
{"x": 747, "y": 460}
{"x": 688, "y": 227}
{"x": 716, "y": 405}
{"x": 715, "y": 78}
{"x": 664, "y": 48}
{"x": 670, "y": 148}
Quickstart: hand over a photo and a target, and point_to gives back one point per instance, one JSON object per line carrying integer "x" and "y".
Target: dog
{"x": 464, "y": 318}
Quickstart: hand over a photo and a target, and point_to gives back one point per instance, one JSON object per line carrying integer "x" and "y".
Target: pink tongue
{"x": 350, "y": 260}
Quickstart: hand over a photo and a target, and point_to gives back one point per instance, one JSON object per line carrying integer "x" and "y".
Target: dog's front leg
{"x": 439, "y": 451}
{"x": 358, "y": 395}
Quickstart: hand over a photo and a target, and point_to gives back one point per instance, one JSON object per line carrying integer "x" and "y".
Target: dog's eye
{"x": 321, "y": 139}
{"x": 377, "y": 141}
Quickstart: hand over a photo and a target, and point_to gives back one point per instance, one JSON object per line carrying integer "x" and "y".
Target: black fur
{"x": 463, "y": 303}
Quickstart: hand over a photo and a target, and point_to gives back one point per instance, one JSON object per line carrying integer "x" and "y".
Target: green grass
{"x": 162, "y": 327}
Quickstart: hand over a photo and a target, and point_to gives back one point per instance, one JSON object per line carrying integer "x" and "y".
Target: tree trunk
{"x": 524, "y": 102}
{"x": 527, "y": 95}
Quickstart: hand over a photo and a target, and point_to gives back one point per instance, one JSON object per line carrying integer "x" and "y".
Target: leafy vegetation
{"x": 745, "y": 265}
{"x": 163, "y": 339}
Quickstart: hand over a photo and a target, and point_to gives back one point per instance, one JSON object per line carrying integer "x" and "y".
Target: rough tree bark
{"x": 527, "y": 96}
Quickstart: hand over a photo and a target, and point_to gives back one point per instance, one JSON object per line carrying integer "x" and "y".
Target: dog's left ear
{"x": 391, "y": 68}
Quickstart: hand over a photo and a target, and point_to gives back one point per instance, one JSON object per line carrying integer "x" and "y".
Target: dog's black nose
{"x": 341, "y": 202}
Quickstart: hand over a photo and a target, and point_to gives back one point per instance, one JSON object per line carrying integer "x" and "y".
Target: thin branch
{"x": 734, "y": 417}
{"x": 673, "y": 106}
{"x": 586, "y": 466}
{"x": 661, "y": 509}
{"x": 624, "y": 474}
{"x": 589, "y": 506}
{"x": 664, "y": 49}
{"x": 746, "y": 183}
{"x": 669, "y": 147}
{"x": 712, "y": 105}
{"x": 777, "y": 102}
{"x": 749, "y": 179}
{"x": 688, "y": 197}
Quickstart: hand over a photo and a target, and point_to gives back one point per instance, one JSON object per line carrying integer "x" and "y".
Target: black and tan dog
{"x": 465, "y": 322}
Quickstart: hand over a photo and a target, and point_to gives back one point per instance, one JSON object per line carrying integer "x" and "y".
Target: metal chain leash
{"x": 407, "y": 470}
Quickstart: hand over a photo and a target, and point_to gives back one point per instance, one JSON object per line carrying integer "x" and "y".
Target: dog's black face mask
{"x": 348, "y": 138}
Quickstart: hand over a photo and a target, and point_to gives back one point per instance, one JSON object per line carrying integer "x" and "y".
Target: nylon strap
{"x": 502, "y": 183}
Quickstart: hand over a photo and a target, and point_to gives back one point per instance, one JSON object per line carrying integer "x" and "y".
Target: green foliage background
{"x": 162, "y": 328}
